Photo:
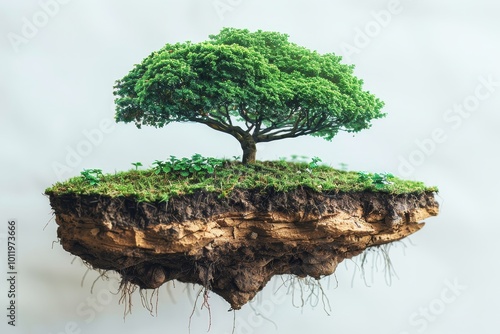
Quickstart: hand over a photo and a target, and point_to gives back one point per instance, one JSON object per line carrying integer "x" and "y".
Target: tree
{"x": 256, "y": 86}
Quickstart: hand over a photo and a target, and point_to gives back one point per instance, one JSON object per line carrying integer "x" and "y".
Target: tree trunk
{"x": 249, "y": 148}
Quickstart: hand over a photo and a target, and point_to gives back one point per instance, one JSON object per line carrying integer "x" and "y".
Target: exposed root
{"x": 257, "y": 312}
{"x": 205, "y": 274}
{"x": 234, "y": 321}
{"x": 379, "y": 258}
{"x": 169, "y": 291}
{"x": 58, "y": 241}
{"x": 150, "y": 302}
{"x": 103, "y": 274}
{"x": 126, "y": 290}
{"x": 84, "y": 276}
{"x": 53, "y": 217}
{"x": 329, "y": 280}
{"x": 309, "y": 292}
{"x": 205, "y": 304}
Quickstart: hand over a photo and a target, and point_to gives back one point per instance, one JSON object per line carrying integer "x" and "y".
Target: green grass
{"x": 147, "y": 186}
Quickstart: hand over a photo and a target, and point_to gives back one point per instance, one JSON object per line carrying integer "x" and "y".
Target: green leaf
{"x": 247, "y": 82}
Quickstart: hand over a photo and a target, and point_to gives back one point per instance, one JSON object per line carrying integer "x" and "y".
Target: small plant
{"x": 343, "y": 166}
{"x": 137, "y": 165}
{"x": 314, "y": 162}
{"x": 379, "y": 180}
{"x": 186, "y": 167}
{"x": 92, "y": 176}
{"x": 363, "y": 176}
{"x": 382, "y": 179}
{"x": 161, "y": 167}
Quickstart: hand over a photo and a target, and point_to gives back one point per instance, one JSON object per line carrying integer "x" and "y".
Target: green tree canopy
{"x": 255, "y": 86}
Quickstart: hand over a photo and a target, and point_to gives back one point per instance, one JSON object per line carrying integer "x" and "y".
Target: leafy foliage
{"x": 379, "y": 180}
{"x": 92, "y": 176}
{"x": 255, "y": 86}
{"x": 186, "y": 167}
{"x": 314, "y": 162}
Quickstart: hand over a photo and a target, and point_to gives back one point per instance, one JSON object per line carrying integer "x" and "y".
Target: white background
{"x": 425, "y": 59}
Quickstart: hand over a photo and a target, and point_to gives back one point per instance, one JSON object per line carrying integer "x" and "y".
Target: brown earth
{"x": 233, "y": 245}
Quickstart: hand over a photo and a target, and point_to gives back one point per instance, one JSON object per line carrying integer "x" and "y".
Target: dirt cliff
{"x": 233, "y": 245}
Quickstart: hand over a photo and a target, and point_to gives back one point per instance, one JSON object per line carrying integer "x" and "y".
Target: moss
{"x": 145, "y": 185}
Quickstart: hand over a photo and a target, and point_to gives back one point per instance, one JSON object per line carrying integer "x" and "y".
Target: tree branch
{"x": 228, "y": 116}
{"x": 234, "y": 131}
{"x": 258, "y": 125}
{"x": 297, "y": 129}
{"x": 281, "y": 123}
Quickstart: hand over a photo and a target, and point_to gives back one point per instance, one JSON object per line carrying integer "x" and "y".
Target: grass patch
{"x": 149, "y": 186}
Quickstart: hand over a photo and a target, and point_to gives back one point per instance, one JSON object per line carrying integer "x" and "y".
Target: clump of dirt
{"x": 233, "y": 245}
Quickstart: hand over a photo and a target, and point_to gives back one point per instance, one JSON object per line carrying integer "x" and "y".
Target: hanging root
{"x": 126, "y": 290}
{"x": 52, "y": 217}
{"x": 168, "y": 286}
{"x": 309, "y": 292}
{"x": 150, "y": 302}
{"x": 379, "y": 258}
{"x": 205, "y": 304}
{"x": 103, "y": 274}
{"x": 206, "y": 274}
{"x": 258, "y": 313}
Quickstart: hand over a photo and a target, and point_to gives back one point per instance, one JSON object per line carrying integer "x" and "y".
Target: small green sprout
{"x": 379, "y": 180}
{"x": 137, "y": 165}
{"x": 314, "y": 162}
{"x": 161, "y": 167}
{"x": 92, "y": 176}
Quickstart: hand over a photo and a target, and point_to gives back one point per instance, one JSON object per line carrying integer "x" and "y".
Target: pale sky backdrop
{"x": 434, "y": 63}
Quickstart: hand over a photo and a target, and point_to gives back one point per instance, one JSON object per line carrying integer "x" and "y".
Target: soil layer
{"x": 233, "y": 245}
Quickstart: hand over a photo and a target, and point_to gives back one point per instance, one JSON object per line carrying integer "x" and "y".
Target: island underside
{"x": 234, "y": 244}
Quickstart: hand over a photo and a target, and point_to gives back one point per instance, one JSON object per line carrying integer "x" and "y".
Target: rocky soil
{"x": 233, "y": 245}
